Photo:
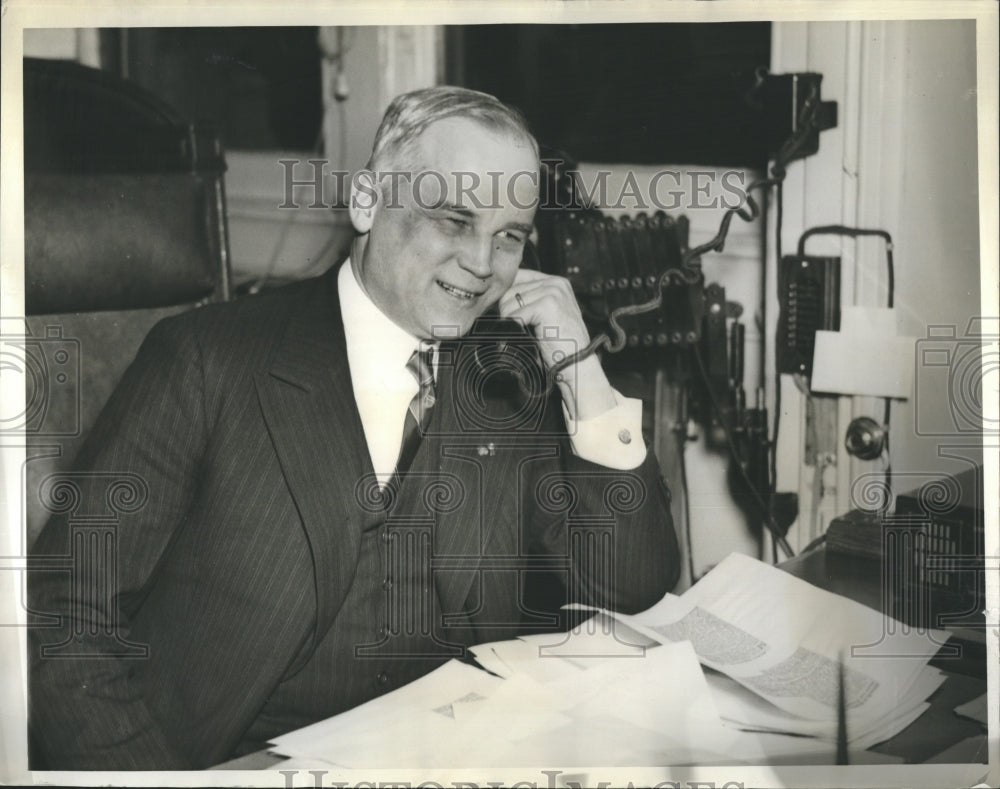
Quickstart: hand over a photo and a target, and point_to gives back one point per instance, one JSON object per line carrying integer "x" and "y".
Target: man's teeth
{"x": 457, "y": 292}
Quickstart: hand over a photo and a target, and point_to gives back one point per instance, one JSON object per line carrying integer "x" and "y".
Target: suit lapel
{"x": 308, "y": 405}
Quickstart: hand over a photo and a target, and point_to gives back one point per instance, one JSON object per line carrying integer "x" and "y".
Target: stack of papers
{"x": 767, "y": 632}
{"x": 743, "y": 668}
{"x": 596, "y": 695}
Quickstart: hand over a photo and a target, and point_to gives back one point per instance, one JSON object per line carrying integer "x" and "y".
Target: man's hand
{"x": 547, "y": 307}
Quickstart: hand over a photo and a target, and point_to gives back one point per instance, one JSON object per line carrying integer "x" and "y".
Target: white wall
{"x": 938, "y": 237}
{"x": 903, "y": 158}
{"x": 63, "y": 43}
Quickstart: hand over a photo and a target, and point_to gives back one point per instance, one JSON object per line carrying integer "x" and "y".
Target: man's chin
{"x": 445, "y": 327}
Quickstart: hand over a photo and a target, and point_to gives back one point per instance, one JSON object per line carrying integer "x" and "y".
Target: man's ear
{"x": 364, "y": 200}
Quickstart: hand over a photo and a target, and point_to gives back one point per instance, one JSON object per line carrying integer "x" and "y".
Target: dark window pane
{"x": 259, "y": 86}
{"x": 643, "y": 93}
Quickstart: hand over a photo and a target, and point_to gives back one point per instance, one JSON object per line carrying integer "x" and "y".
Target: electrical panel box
{"x": 613, "y": 263}
{"x": 809, "y": 297}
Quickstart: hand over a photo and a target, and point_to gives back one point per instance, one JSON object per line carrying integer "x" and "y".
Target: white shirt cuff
{"x": 612, "y": 439}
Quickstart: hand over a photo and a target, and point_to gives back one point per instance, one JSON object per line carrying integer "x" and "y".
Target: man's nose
{"x": 477, "y": 257}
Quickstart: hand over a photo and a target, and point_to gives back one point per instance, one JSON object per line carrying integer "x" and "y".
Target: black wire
{"x": 766, "y": 518}
{"x": 773, "y": 455}
{"x": 688, "y": 273}
{"x": 779, "y": 200}
{"x": 885, "y": 448}
{"x": 818, "y": 541}
{"x": 808, "y": 121}
{"x": 682, "y": 468}
{"x": 857, "y": 232}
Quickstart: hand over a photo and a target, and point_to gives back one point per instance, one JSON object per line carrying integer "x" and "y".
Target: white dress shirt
{"x": 377, "y": 352}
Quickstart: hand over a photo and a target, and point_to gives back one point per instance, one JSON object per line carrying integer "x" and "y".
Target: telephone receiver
{"x": 507, "y": 358}
{"x": 505, "y": 347}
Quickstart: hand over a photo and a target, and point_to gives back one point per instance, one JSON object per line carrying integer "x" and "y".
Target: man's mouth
{"x": 458, "y": 293}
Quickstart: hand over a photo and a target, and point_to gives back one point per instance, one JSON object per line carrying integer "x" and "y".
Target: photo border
{"x": 20, "y": 14}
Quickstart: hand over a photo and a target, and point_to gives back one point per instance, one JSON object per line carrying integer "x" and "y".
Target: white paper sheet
{"x": 866, "y": 357}
{"x": 791, "y": 660}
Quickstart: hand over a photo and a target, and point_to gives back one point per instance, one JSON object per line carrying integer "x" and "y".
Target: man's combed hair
{"x": 410, "y": 113}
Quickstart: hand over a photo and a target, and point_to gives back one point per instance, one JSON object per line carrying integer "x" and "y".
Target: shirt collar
{"x": 376, "y": 346}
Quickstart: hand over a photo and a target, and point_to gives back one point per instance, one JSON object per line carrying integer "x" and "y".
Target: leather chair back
{"x": 125, "y": 223}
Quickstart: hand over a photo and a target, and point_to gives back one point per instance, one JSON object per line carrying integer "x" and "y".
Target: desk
{"x": 934, "y": 732}
{"x": 939, "y": 728}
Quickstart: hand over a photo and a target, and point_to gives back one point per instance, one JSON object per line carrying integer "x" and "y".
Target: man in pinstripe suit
{"x": 273, "y": 561}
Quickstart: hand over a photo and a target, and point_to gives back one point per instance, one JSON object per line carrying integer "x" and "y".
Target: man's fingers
{"x": 544, "y": 302}
{"x": 528, "y": 291}
{"x": 541, "y": 307}
{"x": 527, "y": 281}
{"x": 536, "y": 305}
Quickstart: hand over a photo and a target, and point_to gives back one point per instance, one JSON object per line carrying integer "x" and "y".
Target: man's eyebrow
{"x": 458, "y": 208}
{"x": 468, "y": 213}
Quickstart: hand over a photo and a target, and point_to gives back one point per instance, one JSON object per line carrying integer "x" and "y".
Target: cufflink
{"x": 625, "y": 436}
{"x": 490, "y": 449}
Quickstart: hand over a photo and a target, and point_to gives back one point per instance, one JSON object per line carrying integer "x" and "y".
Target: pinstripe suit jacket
{"x": 238, "y": 448}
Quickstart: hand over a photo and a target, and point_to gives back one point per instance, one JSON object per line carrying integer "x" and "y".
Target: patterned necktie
{"x": 418, "y": 413}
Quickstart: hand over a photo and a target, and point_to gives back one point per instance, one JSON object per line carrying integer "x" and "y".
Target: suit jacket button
{"x": 382, "y": 679}
{"x": 387, "y": 583}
